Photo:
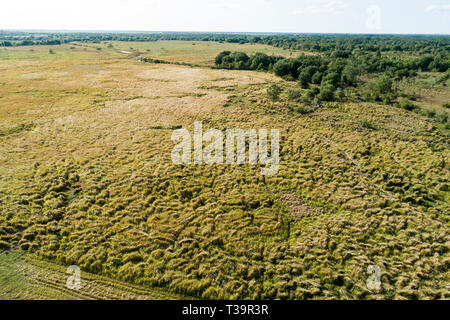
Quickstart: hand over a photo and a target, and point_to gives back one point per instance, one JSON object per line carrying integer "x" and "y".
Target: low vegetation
{"x": 86, "y": 176}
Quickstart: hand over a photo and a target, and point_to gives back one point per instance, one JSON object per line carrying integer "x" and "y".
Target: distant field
{"x": 61, "y": 53}
{"x": 199, "y": 53}
{"x": 86, "y": 178}
{"x": 202, "y": 53}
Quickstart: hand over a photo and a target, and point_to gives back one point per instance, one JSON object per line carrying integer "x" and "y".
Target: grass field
{"x": 86, "y": 178}
{"x": 189, "y": 52}
{"x": 195, "y": 52}
{"x": 24, "y": 277}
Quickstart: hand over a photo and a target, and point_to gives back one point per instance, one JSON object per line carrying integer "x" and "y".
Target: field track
{"x": 25, "y": 277}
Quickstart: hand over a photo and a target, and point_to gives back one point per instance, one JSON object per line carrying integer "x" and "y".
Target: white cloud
{"x": 323, "y": 7}
{"x": 434, "y": 7}
{"x": 224, "y": 4}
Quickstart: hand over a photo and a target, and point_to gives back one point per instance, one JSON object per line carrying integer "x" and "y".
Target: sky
{"x": 298, "y": 16}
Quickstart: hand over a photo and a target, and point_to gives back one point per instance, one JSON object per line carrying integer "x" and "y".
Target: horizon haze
{"x": 265, "y": 16}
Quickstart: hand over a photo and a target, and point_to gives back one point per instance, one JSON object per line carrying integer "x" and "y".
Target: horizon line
{"x": 221, "y": 32}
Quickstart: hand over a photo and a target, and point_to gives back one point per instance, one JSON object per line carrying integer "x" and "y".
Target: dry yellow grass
{"x": 25, "y": 277}
{"x": 194, "y": 52}
{"x": 86, "y": 178}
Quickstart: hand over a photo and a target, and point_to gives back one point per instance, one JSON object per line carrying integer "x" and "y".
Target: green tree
{"x": 317, "y": 77}
{"x": 304, "y": 79}
{"x": 349, "y": 75}
{"x": 260, "y": 61}
{"x": 384, "y": 84}
{"x": 273, "y": 92}
{"x": 327, "y": 93}
{"x": 220, "y": 56}
{"x": 282, "y": 68}
{"x": 332, "y": 78}
{"x": 240, "y": 56}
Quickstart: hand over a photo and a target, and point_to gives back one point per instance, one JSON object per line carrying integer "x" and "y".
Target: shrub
{"x": 310, "y": 95}
{"x": 273, "y": 92}
{"x": 368, "y": 125}
{"x": 305, "y": 99}
{"x": 340, "y": 95}
{"x": 288, "y": 77}
{"x": 406, "y": 104}
{"x": 294, "y": 94}
{"x": 430, "y": 113}
{"x": 443, "y": 117}
{"x": 326, "y": 93}
{"x": 303, "y": 110}
{"x": 384, "y": 84}
{"x": 388, "y": 98}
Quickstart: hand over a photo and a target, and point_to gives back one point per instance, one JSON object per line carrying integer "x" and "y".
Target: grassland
{"x": 188, "y": 52}
{"x": 25, "y": 277}
{"x": 194, "y": 52}
{"x": 86, "y": 178}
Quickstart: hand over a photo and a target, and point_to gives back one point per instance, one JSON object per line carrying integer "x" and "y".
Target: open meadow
{"x": 86, "y": 178}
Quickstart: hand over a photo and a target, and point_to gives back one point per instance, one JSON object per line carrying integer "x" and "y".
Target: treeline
{"x": 306, "y": 42}
{"x": 337, "y": 61}
{"x": 158, "y": 61}
{"x": 241, "y": 61}
{"x": 30, "y": 43}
